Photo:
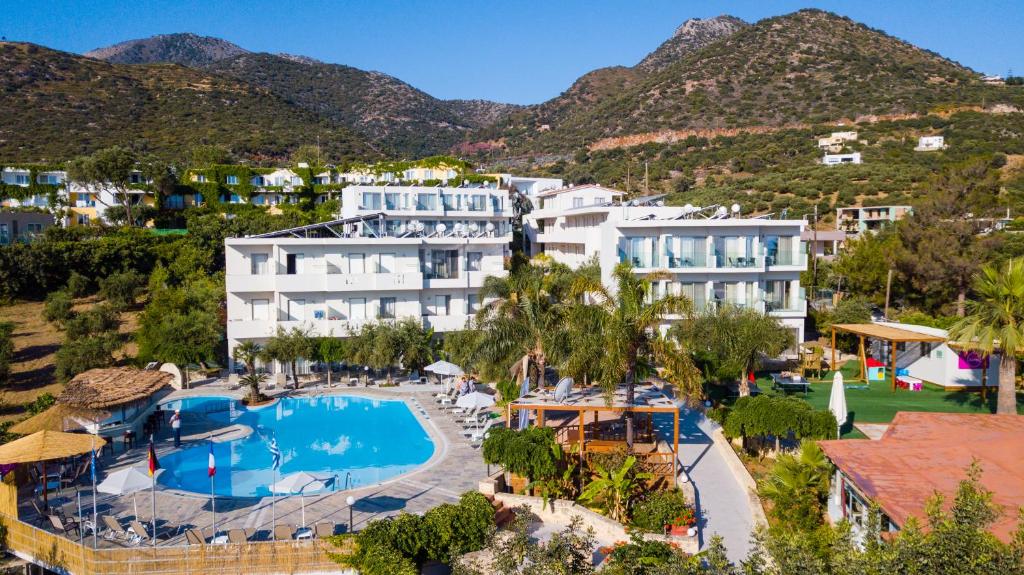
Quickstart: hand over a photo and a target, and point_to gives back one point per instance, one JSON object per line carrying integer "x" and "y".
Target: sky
{"x": 516, "y": 51}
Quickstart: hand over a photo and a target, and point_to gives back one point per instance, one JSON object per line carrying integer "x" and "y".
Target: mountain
{"x": 605, "y": 84}
{"x": 55, "y": 105}
{"x": 185, "y": 49}
{"x": 805, "y": 67}
{"x": 396, "y": 116}
{"x": 691, "y": 35}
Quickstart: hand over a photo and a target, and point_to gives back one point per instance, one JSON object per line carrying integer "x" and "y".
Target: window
{"x": 260, "y": 309}
{"x": 387, "y": 264}
{"x": 296, "y": 309}
{"x": 201, "y": 178}
{"x": 371, "y": 201}
{"x": 357, "y": 309}
{"x": 473, "y": 303}
{"x": 356, "y": 264}
{"x": 294, "y": 264}
{"x": 926, "y": 348}
{"x": 235, "y": 199}
{"x": 136, "y": 178}
{"x": 392, "y": 201}
{"x": 197, "y": 199}
{"x": 83, "y": 219}
{"x": 176, "y": 201}
{"x": 51, "y": 179}
{"x": 442, "y": 304}
{"x": 444, "y": 264}
{"x": 477, "y": 203}
{"x": 258, "y": 199}
{"x": 231, "y": 180}
{"x": 258, "y": 264}
{"x": 452, "y": 201}
{"x": 296, "y": 181}
{"x": 577, "y": 202}
{"x": 474, "y": 261}
{"x": 21, "y": 179}
{"x": 35, "y": 228}
{"x": 387, "y": 308}
{"x": 257, "y": 181}
{"x": 426, "y": 202}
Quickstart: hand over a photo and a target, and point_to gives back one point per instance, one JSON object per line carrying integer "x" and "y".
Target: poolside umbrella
{"x": 300, "y": 483}
{"x": 524, "y": 414}
{"x": 61, "y": 417}
{"x": 837, "y": 400}
{"x": 125, "y": 481}
{"x": 475, "y": 400}
{"x": 43, "y": 446}
{"x": 444, "y": 368}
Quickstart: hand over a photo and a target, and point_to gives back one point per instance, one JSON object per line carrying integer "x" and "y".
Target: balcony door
{"x": 387, "y": 264}
{"x": 297, "y": 309}
{"x": 260, "y": 309}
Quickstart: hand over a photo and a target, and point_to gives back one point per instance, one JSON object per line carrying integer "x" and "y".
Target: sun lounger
{"x": 63, "y": 527}
{"x": 795, "y": 382}
{"x": 479, "y": 434}
{"x": 324, "y": 529}
{"x": 237, "y": 536}
{"x": 284, "y": 533}
{"x": 194, "y": 537}
{"x": 115, "y": 532}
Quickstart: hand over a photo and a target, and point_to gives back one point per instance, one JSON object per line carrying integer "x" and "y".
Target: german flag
{"x": 153, "y": 463}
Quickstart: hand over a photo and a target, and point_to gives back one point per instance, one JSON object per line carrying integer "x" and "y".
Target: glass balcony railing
{"x": 728, "y": 260}
{"x": 786, "y": 258}
{"x": 696, "y": 260}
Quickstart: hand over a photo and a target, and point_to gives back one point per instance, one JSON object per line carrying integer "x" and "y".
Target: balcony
{"x": 240, "y": 283}
{"x": 443, "y": 323}
{"x": 698, "y": 260}
{"x": 737, "y": 262}
{"x": 250, "y": 329}
{"x": 794, "y": 307}
{"x": 370, "y": 282}
{"x": 786, "y": 259}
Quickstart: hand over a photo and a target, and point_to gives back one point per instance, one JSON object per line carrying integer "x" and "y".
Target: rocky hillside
{"x": 55, "y": 105}
{"x": 692, "y": 35}
{"x": 810, "y": 66}
{"x": 185, "y": 49}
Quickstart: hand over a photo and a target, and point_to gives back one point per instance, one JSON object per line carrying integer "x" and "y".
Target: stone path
{"x": 455, "y": 468}
{"x": 720, "y": 500}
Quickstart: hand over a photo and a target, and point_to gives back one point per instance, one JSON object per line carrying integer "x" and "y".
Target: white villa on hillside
{"x": 837, "y": 159}
{"x": 396, "y": 252}
{"x": 930, "y": 144}
{"x": 714, "y": 255}
{"x": 835, "y": 142}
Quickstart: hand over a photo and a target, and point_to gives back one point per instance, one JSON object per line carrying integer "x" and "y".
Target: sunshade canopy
{"x": 125, "y": 481}
{"x": 444, "y": 368}
{"x": 106, "y": 387}
{"x": 475, "y": 399}
{"x": 47, "y": 445}
{"x": 60, "y": 417}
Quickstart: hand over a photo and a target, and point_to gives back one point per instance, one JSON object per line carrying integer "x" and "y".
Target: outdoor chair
{"x": 284, "y": 533}
{"x": 40, "y": 513}
{"x": 63, "y": 527}
{"x": 324, "y": 529}
{"x": 237, "y": 536}
{"x": 194, "y": 537}
{"x": 480, "y": 434}
{"x": 115, "y": 532}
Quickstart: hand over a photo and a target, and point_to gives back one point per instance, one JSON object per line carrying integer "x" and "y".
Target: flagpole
{"x": 213, "y": 497}
{"x": 152, "y": 475}
{"x": 95, "y": 527}
{"x": 81, "y": 527}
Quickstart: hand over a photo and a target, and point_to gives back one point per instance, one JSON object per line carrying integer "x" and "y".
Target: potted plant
{"x": 681, "y": 525}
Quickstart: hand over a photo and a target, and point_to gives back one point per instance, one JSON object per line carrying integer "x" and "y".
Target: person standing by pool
{"x": 176, "y": 426}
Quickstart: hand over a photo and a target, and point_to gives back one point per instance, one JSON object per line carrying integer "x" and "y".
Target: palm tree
{"x": 995, "y": 323}
{"x": 797, "y": 485}
{"x": 615, "y": 488}
{"x": 622, "y": 327}
{"x": 247, "y": 353}
{"x": 522, "y": 319}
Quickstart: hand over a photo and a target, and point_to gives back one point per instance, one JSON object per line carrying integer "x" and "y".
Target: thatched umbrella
{"x": 60, "y": 417}
{"x": 44, "y": 446}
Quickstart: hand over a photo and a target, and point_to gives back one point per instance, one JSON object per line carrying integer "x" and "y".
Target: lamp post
{"x": 350, "y": 501}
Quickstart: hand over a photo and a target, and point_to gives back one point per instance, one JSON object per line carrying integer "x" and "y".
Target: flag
{"x": 212, "y": 468}
{"x": 153, "y": 463}
{"x": 275, "y": 454}
{"x": 92, "y": 466}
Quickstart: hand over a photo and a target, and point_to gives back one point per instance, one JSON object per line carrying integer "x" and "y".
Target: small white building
{"x": 930, "y": 144}
{"x": 837, "y": 159}
{"x": 942, "y": 364}
{"x": 836, "y": 141}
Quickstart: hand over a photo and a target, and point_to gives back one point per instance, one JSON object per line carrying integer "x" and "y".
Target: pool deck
{"x": 454, "y": 468}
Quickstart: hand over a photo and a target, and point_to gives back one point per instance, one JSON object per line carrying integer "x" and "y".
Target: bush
{"x": 766, "y": 415}
{"x": 527, "y": 453}
{"x": 83, "y": 354}
{"x": 6, "y": 349}
{"x": 658, "y": 509}
{"x": 78, "y": 285}
{"x": 57, "y": 308}
{"x": 640, "y": 557}
{"x": 41, "y": 403}
{"x": 121, "y": 289}
{"x": 102, "y": 318}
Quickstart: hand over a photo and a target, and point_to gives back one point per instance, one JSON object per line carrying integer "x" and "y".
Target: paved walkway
{"x": 455, "y": 468}
{"x": 721, "y": 500}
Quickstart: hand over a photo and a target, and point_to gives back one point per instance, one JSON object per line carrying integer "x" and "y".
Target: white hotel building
{"x": 396, "y": 252}
{"x": 714, "y": 255}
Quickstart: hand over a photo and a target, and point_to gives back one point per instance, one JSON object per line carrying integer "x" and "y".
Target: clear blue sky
{"x": 506, "y": 50}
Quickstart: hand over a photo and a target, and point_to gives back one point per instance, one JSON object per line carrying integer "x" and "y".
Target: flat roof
{"x": 886, "y": 332}
{"x": 557, "y": 191}
{"x": 647, "y": 398}
{"x": 924, "y": 453}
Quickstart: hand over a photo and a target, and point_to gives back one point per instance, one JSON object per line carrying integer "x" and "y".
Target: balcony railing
{"x": 686, "y": 261}
{"x": 736, "y": 261}
{"x": 786, "y": 258}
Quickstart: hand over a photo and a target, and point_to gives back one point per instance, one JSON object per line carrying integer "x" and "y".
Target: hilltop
{"x": 55, "y": 105}
{"x": 806, "y": 67}
{"x": 185, "y": 49}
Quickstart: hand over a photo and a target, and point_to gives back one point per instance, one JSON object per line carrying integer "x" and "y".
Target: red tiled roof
{"x": 924, "y": 453}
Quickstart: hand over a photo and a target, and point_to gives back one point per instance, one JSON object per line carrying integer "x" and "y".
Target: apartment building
{"x": 22, "y": 177}
{"x": 854, "y": 220}
{"x": 714, "y": 255}
{"x": 396, "y": 252}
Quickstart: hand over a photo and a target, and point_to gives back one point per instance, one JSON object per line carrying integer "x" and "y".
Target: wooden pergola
{"x": 648, "y": 399}
{"x": 884, "y": 332}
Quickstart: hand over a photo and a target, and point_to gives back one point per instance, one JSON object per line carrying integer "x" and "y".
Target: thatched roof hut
{"x": 103, "y": 388}
{"x": 60, "y": 417}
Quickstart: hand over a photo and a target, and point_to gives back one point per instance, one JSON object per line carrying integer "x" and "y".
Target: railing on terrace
{"x": 60, "y": 554}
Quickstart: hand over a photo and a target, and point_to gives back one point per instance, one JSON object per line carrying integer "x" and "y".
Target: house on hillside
{"x": 837, "y": 159}
{"x": 930, "y": 144}
{"x": 857, "y": 220}
{"x": 922, "y": 454}
{"x": 835, "y": 142}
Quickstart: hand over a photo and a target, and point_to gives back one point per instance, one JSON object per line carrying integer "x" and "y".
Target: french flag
{"x": 212, "y": 469}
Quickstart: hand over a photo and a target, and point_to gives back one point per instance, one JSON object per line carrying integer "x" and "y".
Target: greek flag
{"x": 275, "y": 454}
{"x": 92, "y": 466}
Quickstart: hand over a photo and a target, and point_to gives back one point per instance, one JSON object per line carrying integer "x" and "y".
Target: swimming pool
{"x": 371, "y": 439}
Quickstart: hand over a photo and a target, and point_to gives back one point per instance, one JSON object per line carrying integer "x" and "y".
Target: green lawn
{"x": 878, "y": 404}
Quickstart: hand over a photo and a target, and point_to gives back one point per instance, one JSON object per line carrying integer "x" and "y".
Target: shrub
{"x": 102, "y": 318}
{"x": 766, "y": 415}
{"x": 78, "y": 285}
{"x": 6, "y": 349}
{"x": 527, "y": 453}
{"x": 642, "y": 557}
{"x": 121, "y": 289}
{"x": 41, "y": 403}
{"x": 83, "y": 354}
{"x": 658, "y": 509}
{"x": 57, "y": 308}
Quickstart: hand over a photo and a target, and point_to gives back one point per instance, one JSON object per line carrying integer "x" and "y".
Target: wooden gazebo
{"x": 883, "y": 332}
{"x": 648, "y": 399}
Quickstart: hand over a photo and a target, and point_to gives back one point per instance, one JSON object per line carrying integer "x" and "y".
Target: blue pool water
{"x": 371, "y": 439}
